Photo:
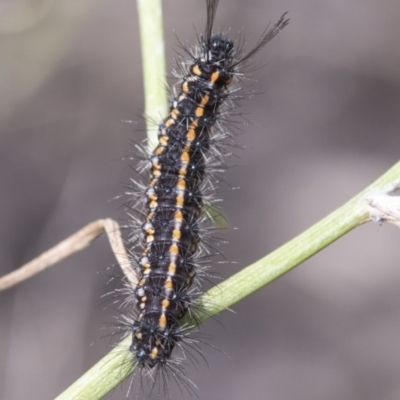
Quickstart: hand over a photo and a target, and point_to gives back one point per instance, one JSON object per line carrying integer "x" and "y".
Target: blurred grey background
{"x": 325, "y": 125}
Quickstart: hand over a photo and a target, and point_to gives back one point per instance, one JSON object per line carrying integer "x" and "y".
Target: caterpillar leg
{"x": 71, "y": 245}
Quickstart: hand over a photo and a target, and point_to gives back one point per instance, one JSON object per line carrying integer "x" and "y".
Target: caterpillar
{"x": 166, "y": 242}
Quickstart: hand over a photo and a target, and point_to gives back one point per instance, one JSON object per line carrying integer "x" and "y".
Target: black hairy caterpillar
{"x": 169, "y": 220}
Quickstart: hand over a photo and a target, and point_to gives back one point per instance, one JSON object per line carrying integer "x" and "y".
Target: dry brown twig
{"x": 71, "y": 245}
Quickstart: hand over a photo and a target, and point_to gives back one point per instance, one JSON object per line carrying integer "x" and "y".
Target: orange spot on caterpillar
{"x": 174, "y": 113}
{"x": 199, "y": 112}
{"x": 156, "y": 166}
{"x": 181, "y": 184}
{"x": 168, "y": 284}
{"x": 154, "y": 352}
{"x": 176, "y": 234}
{"x": 196, "y": 70}
{"x": 205, "y": 99}
{"x": 172, "y": 269}
{"x": 162, "y": 322}
{"x": 163, "y": 140}
{"x": 185, "y": 87}
{"x": 178, "y": 217}
{"x": 150, "y": 239}
{"x": 191, "y": 135}
{"x": 214, "y": 76}
{"x": 165, "y": 304}
{"x": 174, "y": 249}
{"x": 185, "y": 156}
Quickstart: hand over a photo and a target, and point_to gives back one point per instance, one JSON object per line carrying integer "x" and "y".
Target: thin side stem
{"x": 114, "y": 368}
{"x": 71, "y": 245}
{"x": 154, "y": 70}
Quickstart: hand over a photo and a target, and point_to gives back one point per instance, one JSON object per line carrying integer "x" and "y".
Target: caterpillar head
{"x": 220, "y": 49}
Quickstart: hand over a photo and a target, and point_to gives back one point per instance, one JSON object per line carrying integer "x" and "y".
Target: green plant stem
{"x": 153, "y": 60}
{"x": 115, "y": 366}
{"x": 252, "y": 278}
